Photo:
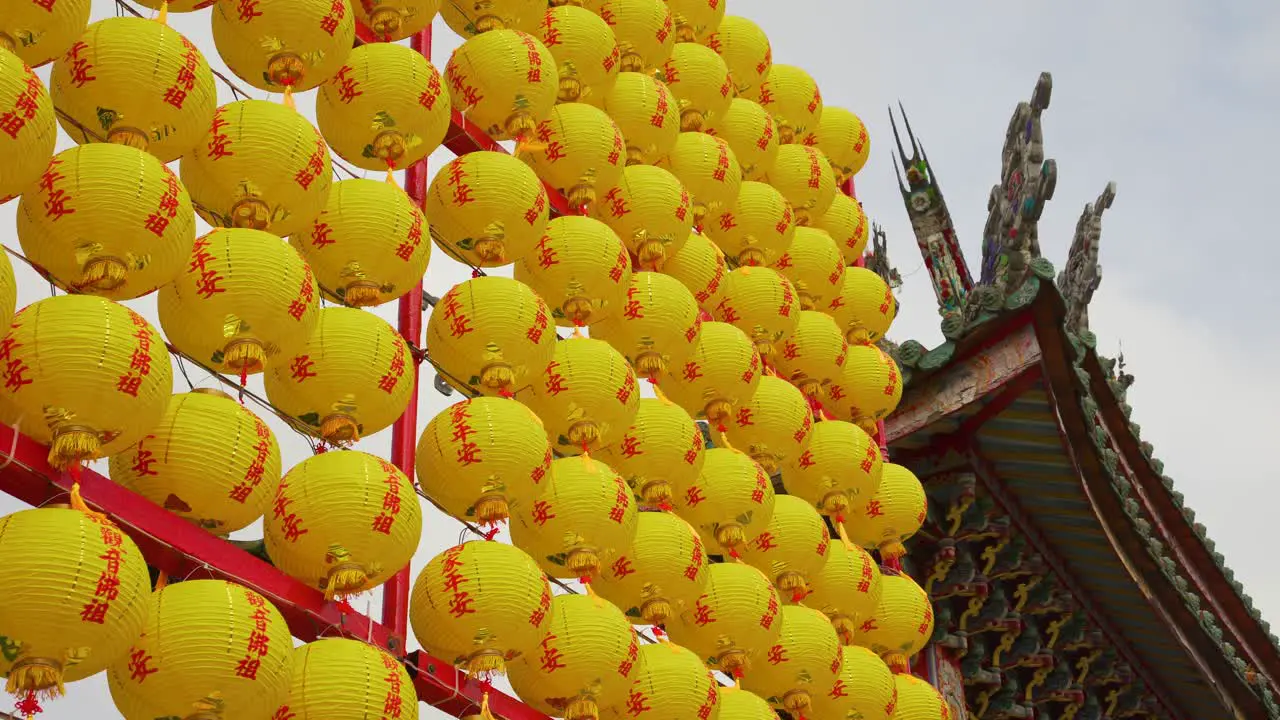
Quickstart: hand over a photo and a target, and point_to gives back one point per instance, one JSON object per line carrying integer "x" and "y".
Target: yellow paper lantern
{"x": 472, "y": 18}
{"x": 351, "y": 379}
{"x": 8, "y": 291}
{"x": 793, "y": 97}
{"x": 842, "y": 137}
{"x": 587, "y": 396}
{"x": 644, "y": 30}
{"x": 814, "y": 266}
{"x": 38, "y": 32}
{"x": 664, "y": 571}
{"x": 700, "y": 267}
{"x": 343, "y": 522}
{"x": 27, "y": 128}
{"x": 671, "y": 683}
{"x": 245, "y": 301}
{"x": 581, "y": 268}
{"x": 384, "y": 109}
{"x": 393, "y": 20}
{"x": 656, "y": 327}
{"x": 481, "y": 604}
{"x": 135, "y": 82}
{"x": 773, "y": 425}
{"x": 838, "y": 471}
{"x": 804, "y": 662}
{"x": 650, "y": 211}
{"x": 107, "y": 220}
{"x": 734, "y": 622}
{"x": 208, "y": 460}
{"x": 865, "y": 689}
{"x": 662, "y": 449}
{"x": 708, "y": 169}
{"x": 916, "y": 699}
{"x": 722, "y": 371}
{"x": 578, "y": 150}
{"x": 846, "y": 223}
{"x": 579, "y": 521}
{"x": 487, "y": 209}
{"x": 696, "y": 19}
{"x": 89, "y": 377}
{"x": 902, "y": 623}
{"x": 731, "y": 500}
{"x": 261, "y": 166}
{"x": 366, "y": 247}
{"x": 745, "y": 49}
{"x": 749, "y": 130}
{"x": 791, "y": 548}
{"x": 347, "y": 678}
{"x": 177, "y": 6}
{"x": 585, "y": 51}
{"x": 69, "y": 619}
{"x": 846, "y": 589}
{"x": 757, "y": 229}
{"x": 482, "y": 457}
{"x": 865, "y": 307}
{"x": 813, "y": 355}
{"x": 586, "y": 660}
{"x": 891, "y": 515}
{"x": 208, "y": 647}
{"x": 761, "y": 303}
{"x": 646, "y": 113}
{"x": 868, "y": 389}
{"x": 699, "y": 80}
{"x": 284, "y": 47}
{"x": 741, "y": 705}
{"x": 491, "y": 335}
{"x": 505, "y": 81}
{"x": 804, "y": 178}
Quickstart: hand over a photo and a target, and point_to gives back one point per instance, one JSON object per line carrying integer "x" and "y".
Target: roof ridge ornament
{"x": 1082, "y": 274}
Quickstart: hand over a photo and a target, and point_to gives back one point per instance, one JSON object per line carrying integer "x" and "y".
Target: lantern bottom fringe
{"x": 656, "y": 493}
{"x": 570, "y": 89}
{"x": 491, "y": 249}
{"x": 692, "y": 120}
{"x": 251, "y": 213}
{"x": 583, "y": 434}
{"x": 794, "y": 582}
{"x": 796, "y": 701}
{"x": 856, "y": 334}
{"x": 72, "y": 445}
{"x": 103, "y": 273}
{"x": 362, "y": 293}
{"x": 656, "y": 611}
{"x": 581, "y": 196}
{"x": 730, "y": 535}
{"x": 486, "y": 661}
{"x": 845, "y": 628}
{"x": 519, "y": 125}
{"x": 582, "y": 709}
{"x": 385, "y": 22}
{"x": 803, "y": 217}
{"x": 765, "y": 347}
{"x": 718, "y": 411}
{"x": 631, "y": 62}
{"x": 245, "y": 354}
{"x": 497, "y": 376}
{"x": 734, "y": 662}
{"x": 835, "y": 504}
{"x": 339, "y": 428}
{"x": 650, "y": 364}
{"x": 652, "y": 253}
{"x": 578, "y": 310}
{"x": 892, "y": 550}
{"x": 810, "y": 387}
{"x": 491, "y": 509}
{"x": 130, "y": 136}
{"x": 485, "y": 23}
{"x": 583, "y": 562}
{"x": 898, "y": 663}
{"x": 750, "y": 257}
{"x": 41, "y": 676}
{"x": 345, "y": 580}
{"x": 635, "y": 155}
{"x": 766, "y": 461}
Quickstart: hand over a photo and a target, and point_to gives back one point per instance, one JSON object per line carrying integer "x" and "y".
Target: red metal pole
{"x": 404, "y": 433}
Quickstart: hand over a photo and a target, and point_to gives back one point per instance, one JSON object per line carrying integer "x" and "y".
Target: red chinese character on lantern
{"x": 300, "y": 368}
{"x": 637, "y": 703}
{"x": 691, "y": 371}
{"x": 248, "y": 668}
{"x": 95, "y": 612}
{"x": 622, "y": 568}
{"x": 542, "y": 512}
{"x": 764, "y": 541}
{"x": 693, "y": 496}
{"x": 551, "y": 655}
{"x": 874, "y": 509}
{"x": 139, "y": 665}
{"x": 777, "y": 655}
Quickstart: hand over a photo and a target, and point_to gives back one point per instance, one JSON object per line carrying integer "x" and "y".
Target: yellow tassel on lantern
{"x": 27, "y": 142}
{"x": 343, "y": 522}
{"x": 480, "y": 604}
{"x": 352, "y": 378}
{"x": 138, "y": 83}
{"x": 385, "y": 108}
{"x": 208, "y": 646}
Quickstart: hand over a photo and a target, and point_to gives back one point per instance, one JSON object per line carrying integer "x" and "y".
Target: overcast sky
{"x": 1173, "y": 100}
